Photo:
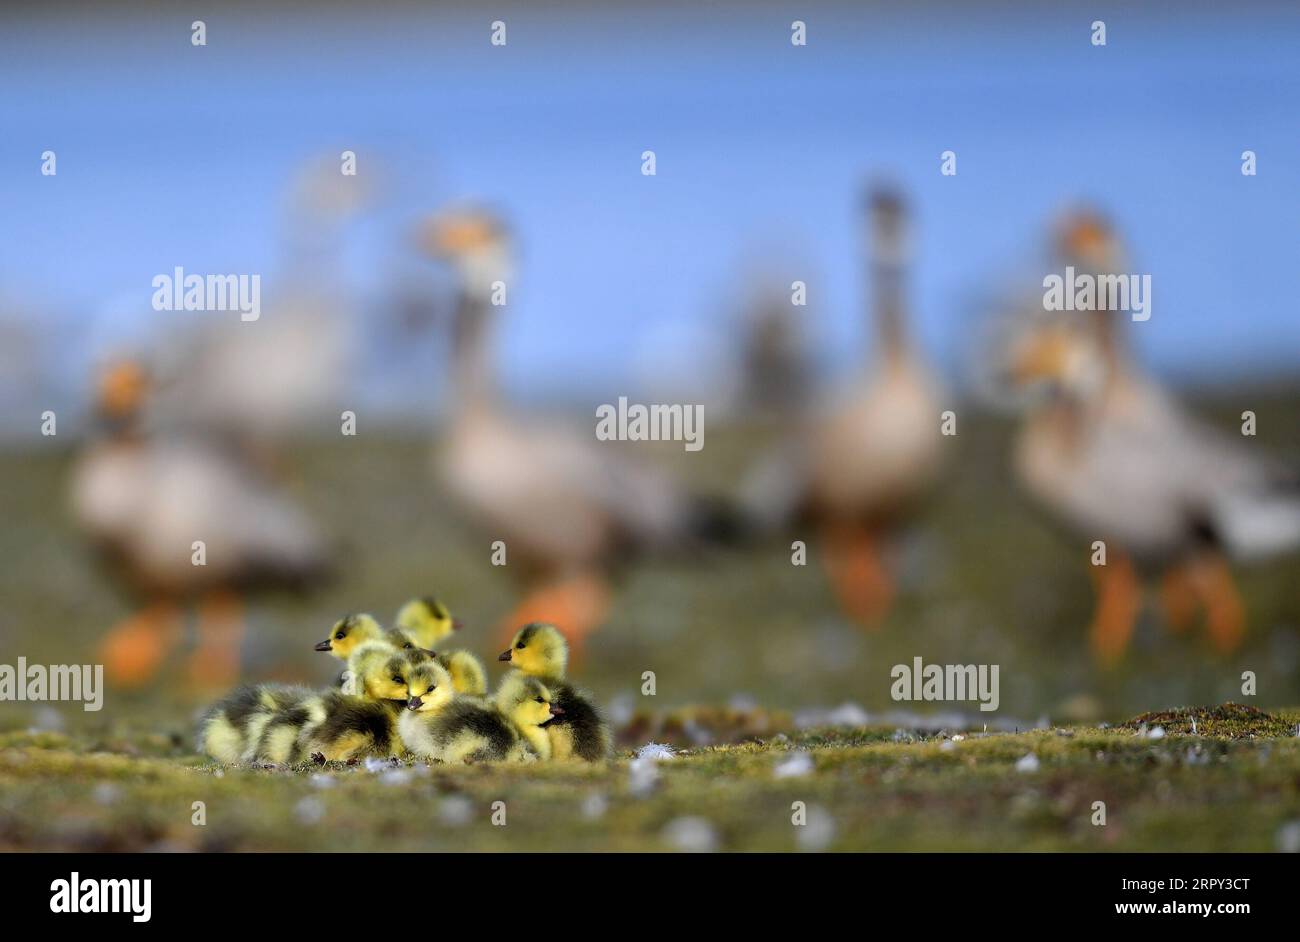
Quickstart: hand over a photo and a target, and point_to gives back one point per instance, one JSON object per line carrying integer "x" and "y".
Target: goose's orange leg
{"x": 859, "y": 577}
{"x": 135, "y": 648}
{"x": 214, "y": 665}
{"x": 1225, "y": 614}
{"x": 1178, "y": 598}
{"x": 1119, "y": 599}
{"x": 577, "y": 605}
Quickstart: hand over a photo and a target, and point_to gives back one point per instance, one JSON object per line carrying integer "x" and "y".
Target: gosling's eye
{"x": 539, "y": 700}
{"x": 407, "y": 646}
{"x": 396, "y": 679}
{"x": 520, "y": 645}
{"x": 340, "y": 636}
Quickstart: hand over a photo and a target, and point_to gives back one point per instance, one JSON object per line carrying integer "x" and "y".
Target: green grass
{"x": 984, "y": 580}
{"x": 871, "y": 788}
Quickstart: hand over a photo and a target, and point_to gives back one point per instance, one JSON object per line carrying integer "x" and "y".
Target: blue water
{"x": 174, "y": 155}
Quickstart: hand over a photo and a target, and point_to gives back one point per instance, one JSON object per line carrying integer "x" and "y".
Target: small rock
{"x": 621, "y": 709}
{"x": 309, "y": 810}
{"x": 46, "y": 719}
{"x": 1288, "y": 838}
{"x": 797, "y": 765}
{"x": 1027, "y": 763}
{"x": 848, "y": 714}
{"x": 818, "y": 832}
{"x": 642, "y": 776}
{"x": 456, "y": 810}
{"x": 699, "y": 736}
{"x": 594, "y": 806}
{"x": 742, "y": 702}
{"x": 691, "y": 834}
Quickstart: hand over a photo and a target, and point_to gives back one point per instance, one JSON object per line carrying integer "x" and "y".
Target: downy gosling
{"x": 352, "y": 631}
{"x": 231, "y": 730}
{"x": 391, "y": 683}
{"x": 467, "y": 673}
{"x": 287, "y": 725}
{"x": 539, "y": 650}
{"x": 426, "y": 622}
{"x": 470, "y": 729}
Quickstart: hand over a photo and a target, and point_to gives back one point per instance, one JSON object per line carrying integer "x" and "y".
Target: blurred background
{"x": 670, "y": 288}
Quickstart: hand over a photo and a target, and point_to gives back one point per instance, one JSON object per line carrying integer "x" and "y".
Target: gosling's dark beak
{"x": 322, "y": 645}
{"x": 457, "y": 624}
{"x": 556, "y": 711}
{"x": 414, "y": 703}
{"x": 504, "y": 655}
{"x": 428, "y": 651}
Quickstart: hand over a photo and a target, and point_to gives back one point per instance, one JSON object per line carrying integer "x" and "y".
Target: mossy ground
{"x": 983, "y": 580}
{"x": 872, "y": 788}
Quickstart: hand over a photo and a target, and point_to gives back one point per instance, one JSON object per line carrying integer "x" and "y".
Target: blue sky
{"x": 171, "y": 155}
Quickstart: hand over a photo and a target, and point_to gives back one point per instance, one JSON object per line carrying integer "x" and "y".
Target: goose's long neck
{"x": 1114, "y": 353}
{"x": 472, "y": 353}
{"x": 1108, "y": 326}
{"x": 887, "y": 269}
{"x": 120, "y": 430}
{"x": 887, "y": 306}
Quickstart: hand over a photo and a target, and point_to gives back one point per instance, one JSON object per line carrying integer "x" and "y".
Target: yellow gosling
{"x": 353, "y": 726}
{"x": 231, "y": 731}
{"x": 467, "y": 673}
{"x": 471, "y": 729}
{"x": 539, "y": 650}
{"x": 426, "y": 621}
{"x": 349, "y": 633}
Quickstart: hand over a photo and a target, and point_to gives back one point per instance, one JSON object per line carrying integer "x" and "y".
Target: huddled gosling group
{"x": 401, "y": 693}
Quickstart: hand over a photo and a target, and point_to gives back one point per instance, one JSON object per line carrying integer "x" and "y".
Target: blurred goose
{"x": 775, "y": 367}
{"x": 567, "y": 508}
{"x": 256, "y": 385}
{"x": 868, "y": 460}
{"x": 144, "y": 499}
{"x": 1111, "y": 455}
